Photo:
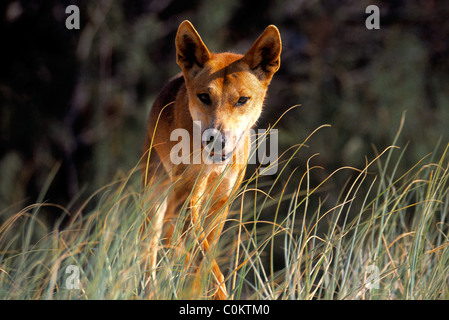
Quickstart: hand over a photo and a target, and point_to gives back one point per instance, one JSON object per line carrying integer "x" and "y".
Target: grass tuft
{"x": 384, "y": 237}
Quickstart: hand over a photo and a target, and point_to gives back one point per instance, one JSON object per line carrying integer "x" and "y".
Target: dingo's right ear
{"x": 264, "y": 56}
{"x": 190, "y": 49}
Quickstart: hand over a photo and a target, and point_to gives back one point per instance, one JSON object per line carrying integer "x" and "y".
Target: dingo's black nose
{"x": 214, "y": 140}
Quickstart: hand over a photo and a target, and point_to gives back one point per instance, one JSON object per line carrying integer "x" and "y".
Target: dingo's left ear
{"x": 264, "y": 56}
{"x": 190, "y": 49}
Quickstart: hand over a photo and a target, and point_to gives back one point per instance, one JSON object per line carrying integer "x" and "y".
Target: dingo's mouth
{"x": 219, "y": 156}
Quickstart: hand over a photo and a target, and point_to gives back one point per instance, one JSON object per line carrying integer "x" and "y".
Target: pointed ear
{"x": 264, "y": 56}
{"x": 190, "y": 49}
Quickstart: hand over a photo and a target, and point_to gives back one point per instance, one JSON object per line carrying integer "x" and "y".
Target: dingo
{"x": 224, "y": 92}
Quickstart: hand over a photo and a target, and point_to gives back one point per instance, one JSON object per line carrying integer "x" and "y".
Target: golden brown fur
{"x": 221, "y": 91}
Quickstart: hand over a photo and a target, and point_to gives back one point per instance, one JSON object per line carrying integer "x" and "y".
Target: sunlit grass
{"x": 385, "y": 237}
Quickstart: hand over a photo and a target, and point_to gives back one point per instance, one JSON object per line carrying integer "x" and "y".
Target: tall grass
{"x": 385, "y": 237}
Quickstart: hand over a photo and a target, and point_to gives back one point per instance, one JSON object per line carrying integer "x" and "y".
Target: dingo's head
{"x": 226, "y": 91}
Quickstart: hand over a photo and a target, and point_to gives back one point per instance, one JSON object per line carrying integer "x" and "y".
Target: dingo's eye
{"x": 204, "y": 98}
{"x": 242, "y": 101}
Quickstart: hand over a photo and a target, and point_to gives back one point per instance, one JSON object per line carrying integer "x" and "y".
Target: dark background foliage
{"x": 77, "y": 100}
